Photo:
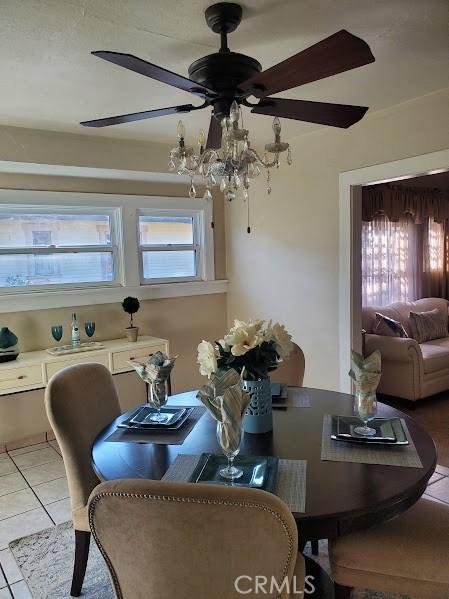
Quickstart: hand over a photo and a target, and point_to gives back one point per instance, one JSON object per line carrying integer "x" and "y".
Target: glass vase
{"x": 365, "y": 406}
{"x": 157, "y": 398}
{"x": 229, "y": 440}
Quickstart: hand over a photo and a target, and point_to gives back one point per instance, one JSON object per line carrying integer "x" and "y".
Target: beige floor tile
{"x": 36, "y": 458}
{"x": 52, "y": 491}
{"x": 44, "y": 472}
{"x": 60, "y": 511}
{"x": 17, "y": 503}
{"x": 439, "y": 490}
{"x": 33, "y": 440}
{"x": 435, "y": 476}
{"x": 442, "y": 470}
{"x": 5, "y": 594}
{"x": 12, "y": 482}
{"x": 55, "y": 446}
{"x": 23, "y": 525}
{"x": 20, "y": 590}
{"x": 2, "y": 580}
{"x": 27, "y": 449}
{"x": 10, "y": 567}
{"x": 7, "y": 466}
{"x": 433, "y": 499}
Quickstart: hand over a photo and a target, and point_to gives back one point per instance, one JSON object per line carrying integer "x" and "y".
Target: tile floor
{"x": 34, "y": 496}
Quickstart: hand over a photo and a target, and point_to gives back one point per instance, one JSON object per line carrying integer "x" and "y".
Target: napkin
{"x": 227, "y": 403}
{"x": 155, "y": 370}
{"x": 366, "y": 372}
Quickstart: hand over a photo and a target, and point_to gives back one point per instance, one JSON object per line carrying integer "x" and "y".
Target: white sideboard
{"x": 33, "y": 370}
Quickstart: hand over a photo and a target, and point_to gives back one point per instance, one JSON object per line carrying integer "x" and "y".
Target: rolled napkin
{"x": 227, "y": 403}
{"x": 366, "y": 372}
{"x": 156, "y": 369}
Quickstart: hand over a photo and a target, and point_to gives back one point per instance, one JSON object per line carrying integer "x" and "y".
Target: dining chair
{"x": 80, "y": 401}
{"x": 291, "y": 371}
{"x": 162, "y": 539}
{"x": 408, "y": 555}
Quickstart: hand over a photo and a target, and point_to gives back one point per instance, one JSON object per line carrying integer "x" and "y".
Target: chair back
{"x": 80, "y": 401}
{"x": 162, "y": 539}
{"x": 291, "y": 371}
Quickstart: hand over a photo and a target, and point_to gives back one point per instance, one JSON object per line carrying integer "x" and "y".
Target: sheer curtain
{"x": 390, "y": 263}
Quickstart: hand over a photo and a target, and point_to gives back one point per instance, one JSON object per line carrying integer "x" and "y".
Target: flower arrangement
{"x": 253, "y": 349}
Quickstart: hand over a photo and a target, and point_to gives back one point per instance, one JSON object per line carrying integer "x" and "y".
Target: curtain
{"x": 434, "y": 279}
{"x": 390, "y": 267}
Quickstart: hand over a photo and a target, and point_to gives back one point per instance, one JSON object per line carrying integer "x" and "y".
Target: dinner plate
{"x": 128, "y": 425}
{"x": 389, "y": 431}
{"x": 143, "y": 416}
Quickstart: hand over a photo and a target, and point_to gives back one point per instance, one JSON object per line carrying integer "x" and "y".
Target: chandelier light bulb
{"x": 276, "y": 126}
{"x": 181, "y": 130}
{"x": 202, "y": 138}
{"x": 234, "y": 112}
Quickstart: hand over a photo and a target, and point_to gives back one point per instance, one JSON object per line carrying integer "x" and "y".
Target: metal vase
{"x": 258, "y": 416}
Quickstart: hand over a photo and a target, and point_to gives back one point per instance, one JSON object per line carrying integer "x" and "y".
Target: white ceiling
{"x": 49, "y": 80}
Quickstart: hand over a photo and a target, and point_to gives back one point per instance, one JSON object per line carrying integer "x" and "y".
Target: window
{"x": 170, "y": 245}
{"x": 43, "y": 247}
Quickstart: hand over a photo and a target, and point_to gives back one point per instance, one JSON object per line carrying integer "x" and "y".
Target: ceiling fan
{"x": 225, "y": 76}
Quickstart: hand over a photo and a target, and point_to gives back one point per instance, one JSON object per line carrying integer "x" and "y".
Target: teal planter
{"x": 9, "y": 349}
{"x": 258, "y": 416}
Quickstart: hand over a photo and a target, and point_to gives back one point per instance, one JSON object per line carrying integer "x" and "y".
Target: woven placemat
{"x": 159, "y": 437}
{"x": 291, "y": 483}
{"x": 296, "y": 398}
{"x": 383, "y": 455}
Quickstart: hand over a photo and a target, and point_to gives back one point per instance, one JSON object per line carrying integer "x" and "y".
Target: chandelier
{"x": 232, "y": 166}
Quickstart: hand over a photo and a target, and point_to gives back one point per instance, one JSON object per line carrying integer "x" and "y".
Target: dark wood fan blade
{"x": 335, "y": 115}
{"x": 214, "y": 135}
{"x": 137, "y": 116}
{"x": 335, "y": 54}
{"x": 133, "y": 63}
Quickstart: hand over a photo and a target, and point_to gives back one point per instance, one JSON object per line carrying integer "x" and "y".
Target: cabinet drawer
{"x": 120, "y": 358}
{"x": 53, "y": 367}
{"x": 25, "y": 376}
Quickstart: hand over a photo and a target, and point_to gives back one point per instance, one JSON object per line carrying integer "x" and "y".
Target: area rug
{"x": 46, "y": 562}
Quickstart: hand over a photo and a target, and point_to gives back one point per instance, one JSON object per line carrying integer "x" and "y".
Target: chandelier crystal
{"x": 232, "y": 166}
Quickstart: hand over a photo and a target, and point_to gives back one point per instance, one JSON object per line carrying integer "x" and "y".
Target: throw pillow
{"x": 426, "y": 326}
{"x": 388, "y": 327}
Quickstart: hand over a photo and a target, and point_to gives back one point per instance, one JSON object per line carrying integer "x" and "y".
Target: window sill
{"x": 36, "y": 300}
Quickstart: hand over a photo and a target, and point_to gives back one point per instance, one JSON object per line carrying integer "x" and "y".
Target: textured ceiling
{"x": 49, "y": 80}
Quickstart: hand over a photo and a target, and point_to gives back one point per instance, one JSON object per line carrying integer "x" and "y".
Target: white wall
{"x": 287, "y": 268}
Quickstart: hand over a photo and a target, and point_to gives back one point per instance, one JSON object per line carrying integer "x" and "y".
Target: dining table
{"x": 341, "y": 496}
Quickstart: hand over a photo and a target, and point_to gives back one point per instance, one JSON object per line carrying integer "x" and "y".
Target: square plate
{"x": 126, "y": 424}
{"x": 259, "y": 472}
{"x": 279, "y": 391}
{"x": 143, "y": 415}
{"x": 389, "y": 431}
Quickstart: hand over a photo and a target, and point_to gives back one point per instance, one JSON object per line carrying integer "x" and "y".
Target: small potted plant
{"x": 131, "y": 305}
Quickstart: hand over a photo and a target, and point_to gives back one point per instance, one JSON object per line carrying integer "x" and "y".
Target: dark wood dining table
{"x": 340, "y": 496}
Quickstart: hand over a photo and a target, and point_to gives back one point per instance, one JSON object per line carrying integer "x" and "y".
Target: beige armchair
{"x": 163, "y": 540}
{"x": 408, "y": 555}
{"x": 291, "y": 371}
{"x": 80, "y": 401}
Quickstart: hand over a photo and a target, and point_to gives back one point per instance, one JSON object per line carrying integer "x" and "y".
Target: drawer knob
{"x": 20, "y": 377}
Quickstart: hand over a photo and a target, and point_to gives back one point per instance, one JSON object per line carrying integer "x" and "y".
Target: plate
{"x": 259, "y": 472}
{"x": 143, "y": 415}
{"x": 128, "y": 425}
{"x": 389, "y": 431}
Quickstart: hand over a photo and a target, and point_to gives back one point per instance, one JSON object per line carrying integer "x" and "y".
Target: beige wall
{"x": 183, "y": 321}
{"x": 287, "y": 269}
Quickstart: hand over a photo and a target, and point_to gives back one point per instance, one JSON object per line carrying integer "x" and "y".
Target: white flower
{"x": 207, "y": 358}
{"x": 244, "y": 336}
{"x": 282, "y": 341}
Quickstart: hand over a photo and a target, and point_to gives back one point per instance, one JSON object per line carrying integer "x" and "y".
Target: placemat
{"x": 291, "y": 484}
{"x": 159, "y": 437}
{"x": 296, "y": 398}
{"x": 341, "y": 451}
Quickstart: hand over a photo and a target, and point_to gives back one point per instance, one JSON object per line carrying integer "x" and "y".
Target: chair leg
{"x": 341, "y": 592}
{"x": 82, "y": 543}
{"x": 314, "y": 546}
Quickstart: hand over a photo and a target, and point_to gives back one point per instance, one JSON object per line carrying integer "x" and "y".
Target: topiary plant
{"x": 131, "y": 305}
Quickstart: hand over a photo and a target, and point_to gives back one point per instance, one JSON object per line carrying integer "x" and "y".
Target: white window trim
{"x": 126, "y": 207}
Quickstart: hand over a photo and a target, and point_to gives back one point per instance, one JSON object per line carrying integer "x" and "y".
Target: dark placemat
{"x": 291, "y": 483}
{"x": 160, "y": 437}
{"x": 296, "y": 398}
{"x": 384, "y": 455}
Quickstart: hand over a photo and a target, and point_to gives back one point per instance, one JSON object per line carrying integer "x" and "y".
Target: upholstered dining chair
{"x": 80, "y": 401}
{"x": 291, "y": 371}
{"x": 162, "y": 539}
{"x": 408, "y": 555}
